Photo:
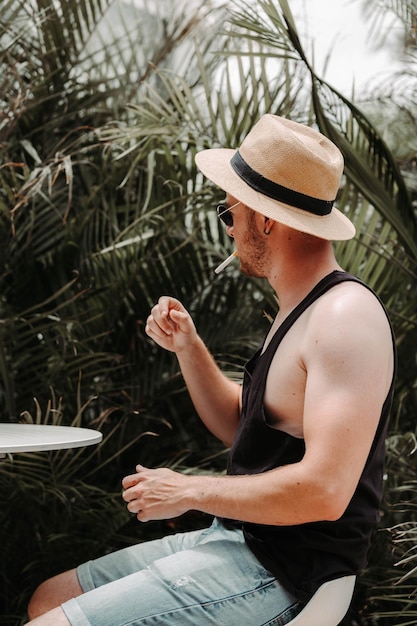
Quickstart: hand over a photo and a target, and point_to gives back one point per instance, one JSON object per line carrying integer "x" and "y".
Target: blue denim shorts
{"x": 191, "y": 579}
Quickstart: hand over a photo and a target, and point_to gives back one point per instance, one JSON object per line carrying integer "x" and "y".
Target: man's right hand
{"x": 170, "y": 325}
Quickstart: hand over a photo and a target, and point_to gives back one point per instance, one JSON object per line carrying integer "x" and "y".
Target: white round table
{"x": 35, "y": 437}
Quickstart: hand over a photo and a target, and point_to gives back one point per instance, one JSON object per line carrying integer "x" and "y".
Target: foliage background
{"x": 103, "y": 106}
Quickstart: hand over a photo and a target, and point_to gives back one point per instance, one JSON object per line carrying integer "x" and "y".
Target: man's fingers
{"x": 130, "y": 481}
{"x": 180, "y": 319}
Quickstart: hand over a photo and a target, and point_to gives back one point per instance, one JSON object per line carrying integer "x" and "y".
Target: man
{"x": 306, "y": 429}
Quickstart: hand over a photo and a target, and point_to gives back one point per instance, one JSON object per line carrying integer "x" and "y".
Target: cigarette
{"x": 226, "y": 262}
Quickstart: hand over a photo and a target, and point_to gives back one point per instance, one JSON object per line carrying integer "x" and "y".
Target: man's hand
{"x": 170, "y": 325}
{"x": 155, "y": 494}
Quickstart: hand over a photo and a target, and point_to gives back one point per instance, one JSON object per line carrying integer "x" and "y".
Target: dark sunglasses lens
{"x": 224, "y": 214}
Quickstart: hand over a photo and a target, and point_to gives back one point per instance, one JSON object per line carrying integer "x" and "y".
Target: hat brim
{"x": 214, "y": 163}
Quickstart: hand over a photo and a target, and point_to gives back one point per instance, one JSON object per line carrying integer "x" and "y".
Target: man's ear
{"x": 268, "y": 225}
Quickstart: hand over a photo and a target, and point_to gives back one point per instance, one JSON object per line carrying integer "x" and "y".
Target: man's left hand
{"x": 155, "y": 494}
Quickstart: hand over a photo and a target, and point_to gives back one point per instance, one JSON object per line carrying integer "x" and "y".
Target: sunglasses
{"x": 223, "y": 212}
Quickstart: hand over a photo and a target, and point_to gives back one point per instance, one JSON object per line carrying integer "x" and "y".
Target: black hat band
{"x": 277, "y": 192}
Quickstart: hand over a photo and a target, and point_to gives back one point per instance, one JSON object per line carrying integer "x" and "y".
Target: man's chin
{"x": 250, "y": 272}
{"x": 245, "y": 270}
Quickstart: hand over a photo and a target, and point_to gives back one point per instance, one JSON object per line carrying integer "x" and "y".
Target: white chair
{"x": 329, "y": 604}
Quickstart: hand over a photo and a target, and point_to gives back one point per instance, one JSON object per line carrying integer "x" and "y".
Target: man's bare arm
{"x": 215, "y": 397}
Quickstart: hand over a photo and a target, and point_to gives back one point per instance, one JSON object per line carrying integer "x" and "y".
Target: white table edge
{"x": 78, "y": 437}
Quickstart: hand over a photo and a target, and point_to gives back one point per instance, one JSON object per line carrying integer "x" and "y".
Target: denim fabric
{"x": 189, "y": 579}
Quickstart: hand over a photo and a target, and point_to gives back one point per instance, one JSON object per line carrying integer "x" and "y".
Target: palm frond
{"x": 386, "y": 15}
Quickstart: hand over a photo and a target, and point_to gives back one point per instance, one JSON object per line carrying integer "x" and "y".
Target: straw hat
{"x": 285, "y": 171}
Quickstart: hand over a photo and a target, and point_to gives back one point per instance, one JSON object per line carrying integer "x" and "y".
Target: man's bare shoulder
{"x": 348, "y": 327}
{"x": 347, "y": 303}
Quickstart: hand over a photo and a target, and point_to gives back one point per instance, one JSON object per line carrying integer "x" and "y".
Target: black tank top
{"x": 303, "y": 557}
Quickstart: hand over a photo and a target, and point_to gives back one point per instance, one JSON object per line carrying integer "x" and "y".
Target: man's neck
{"x": 294, "y": 275}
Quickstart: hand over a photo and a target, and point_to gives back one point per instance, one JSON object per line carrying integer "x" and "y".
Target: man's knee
{"x": 42, "y": 600}
{"x": 53, "y": 592}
